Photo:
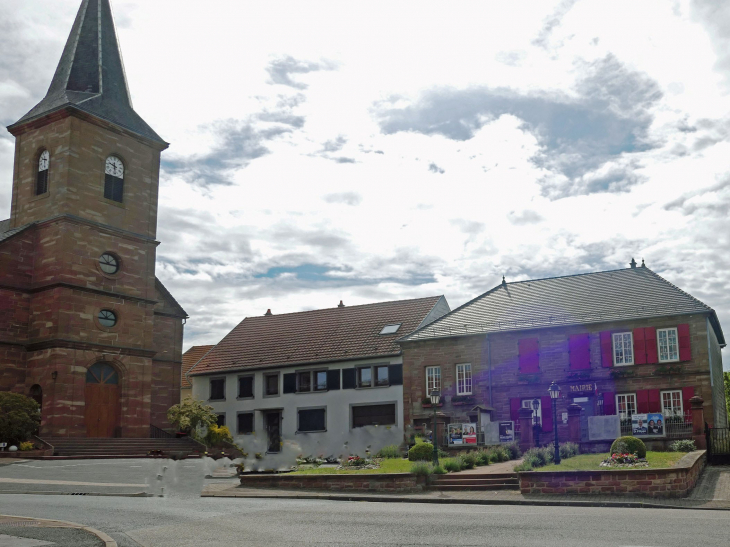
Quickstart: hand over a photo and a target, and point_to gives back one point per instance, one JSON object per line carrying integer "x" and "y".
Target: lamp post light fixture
{"x": 536, "y": 421}
{"x": 435, "y": 399}
{"x": 554, "y": 390}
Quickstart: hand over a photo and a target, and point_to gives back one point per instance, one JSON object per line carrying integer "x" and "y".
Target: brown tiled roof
{"x": 316, "y": 336}
{"x": 190, "y": 357}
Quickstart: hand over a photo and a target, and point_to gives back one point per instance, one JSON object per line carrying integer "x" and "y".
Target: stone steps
{"x": 98, "y": 448}
{"x": 482, "y": 481}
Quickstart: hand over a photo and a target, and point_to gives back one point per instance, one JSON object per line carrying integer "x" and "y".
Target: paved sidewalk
{"x": 712, "y": 492}
{"x": 28, "y": 532}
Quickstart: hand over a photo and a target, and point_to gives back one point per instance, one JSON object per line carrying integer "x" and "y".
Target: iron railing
{"x": 159, "y": 433}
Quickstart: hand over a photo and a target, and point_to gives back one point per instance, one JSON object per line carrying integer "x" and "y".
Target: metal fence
{"x": 675, "y": 427}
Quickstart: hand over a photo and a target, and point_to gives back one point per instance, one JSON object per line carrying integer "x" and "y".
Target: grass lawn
{"x": 391, "y": 465}
{"x": 589, "y": 462}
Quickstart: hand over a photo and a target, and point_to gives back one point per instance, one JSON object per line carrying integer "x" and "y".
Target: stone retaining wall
{"x": 382, "y": 482}
{"x": 673, "y": 482}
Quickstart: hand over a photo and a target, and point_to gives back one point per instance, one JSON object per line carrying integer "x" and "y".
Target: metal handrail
{"x": 159, "y": 433}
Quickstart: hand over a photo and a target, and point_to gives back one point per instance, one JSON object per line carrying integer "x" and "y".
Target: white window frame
{"x": 463, "y": 379}
{"x": 659, "y": 344}
{"x": 625, "y": 415}
{"x": 671, "y": 393}
{"x": 625, "y": 362}
{"x": 434, "y": 372}
{"x": 527, "y": 403}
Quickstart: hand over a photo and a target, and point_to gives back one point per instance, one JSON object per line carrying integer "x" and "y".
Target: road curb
{"x": 450, "y": 501}
{"x": 101, "y": 494}
{"x": 108, "y": 541}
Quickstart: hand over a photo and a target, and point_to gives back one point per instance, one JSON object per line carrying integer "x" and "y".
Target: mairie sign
{"x": 582, "y": 389}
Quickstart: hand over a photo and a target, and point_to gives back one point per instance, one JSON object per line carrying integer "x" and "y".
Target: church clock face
{"x": 114, "y": 167}
{"x": 43, "y": 161}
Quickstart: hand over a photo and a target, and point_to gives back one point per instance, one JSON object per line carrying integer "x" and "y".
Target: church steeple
{"x": 90, "y": 76}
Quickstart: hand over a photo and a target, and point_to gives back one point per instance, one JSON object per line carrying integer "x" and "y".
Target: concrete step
{"x": 466, "y": 482}
{"x": 452, "y": 487}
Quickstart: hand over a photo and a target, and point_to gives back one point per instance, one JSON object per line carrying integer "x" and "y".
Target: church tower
{"x": 93, "y": 334}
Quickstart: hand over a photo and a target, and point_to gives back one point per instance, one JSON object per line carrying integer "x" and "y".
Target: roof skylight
{"x": 391, "y": 329}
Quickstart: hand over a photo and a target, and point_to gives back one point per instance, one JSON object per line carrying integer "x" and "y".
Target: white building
{"x": 321, "y": 383}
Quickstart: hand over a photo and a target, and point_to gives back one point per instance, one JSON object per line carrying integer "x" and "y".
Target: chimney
{"x": 268, "y": 312}
{"x": 632, "y": 263}
{"x": 340, "y": 305}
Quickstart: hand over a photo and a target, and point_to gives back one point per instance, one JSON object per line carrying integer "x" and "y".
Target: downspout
{"x": 489, "y": 365}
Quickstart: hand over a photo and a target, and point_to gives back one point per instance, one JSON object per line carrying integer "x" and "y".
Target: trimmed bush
{"x": 482, "y": 457}
{"x": 452, "y": 465}
{"x": 422, "y": 469}
{"x": 629, "y": 445}
{"x": 568, "y": 450}
{"x": 514, "y": 451}
{"x": 389, "y": 452}
{"x": 685, "y": 445}
{"x": 468, "y": 461}
{"x": 421, "y": 452}
{"x": 438, "y": 470}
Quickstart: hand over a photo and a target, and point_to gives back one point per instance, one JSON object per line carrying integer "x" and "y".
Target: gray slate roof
{"x": 6, "y": 233}
{"x": 630, "y": 293}
{"x": 90, "y": 75}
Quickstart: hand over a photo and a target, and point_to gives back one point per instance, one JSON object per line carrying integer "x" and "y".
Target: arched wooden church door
{"x": 102, "y": 400}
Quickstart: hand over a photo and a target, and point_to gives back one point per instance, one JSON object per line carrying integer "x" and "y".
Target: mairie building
{"x": 86, "y": 327}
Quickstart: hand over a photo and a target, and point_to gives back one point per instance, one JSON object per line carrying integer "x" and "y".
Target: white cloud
{"x": 282, "y": 189}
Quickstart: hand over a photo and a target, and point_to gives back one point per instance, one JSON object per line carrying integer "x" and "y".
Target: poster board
{"x": 506, "y": 432}
{"x": 460, "y": 434}
{"x": 648, "y": 425}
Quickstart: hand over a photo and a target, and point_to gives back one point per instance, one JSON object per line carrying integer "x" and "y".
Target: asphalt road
{"x": 182, "y": 518}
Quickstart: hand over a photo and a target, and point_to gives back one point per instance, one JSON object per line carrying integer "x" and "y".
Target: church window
{"x": 109, "y": 263}
{"x": 107, "y": 318}
{"x": 114, "y": 179}
{"x": 41, "y": 184}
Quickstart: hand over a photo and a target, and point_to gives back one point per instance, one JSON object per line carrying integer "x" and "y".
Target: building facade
{"x": 87, "y": 329}
{"x": 322, "y": 382}
{"x": 623, "y": 342}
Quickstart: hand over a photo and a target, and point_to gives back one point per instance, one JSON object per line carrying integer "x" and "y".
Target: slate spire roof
{"x": 626, "y": 294}
{"x": 90, "y": 75}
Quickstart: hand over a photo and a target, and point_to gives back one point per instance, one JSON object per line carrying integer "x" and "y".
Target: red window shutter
{"x": 514, "y": 410}
{"x": 546, "y": 406}
{"x": 639, "y": 347}
{"x": 685, "y": 351}
{"x": 655, "y": 404}
{"x": 580, "y": 351}
{"x": 652, "y": 353}
{"x": 606, "y": 349}
{"x": 642, "y": 401}
{"x": 609, "y": 404}
{"x": 687, "y": 394}
{"x": 529, "y": 356}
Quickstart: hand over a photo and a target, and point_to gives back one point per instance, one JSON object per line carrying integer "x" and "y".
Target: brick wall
{"x": 391, "y": 482}
{"x": 554, "y": 364}
{"x": 675, "y": 482}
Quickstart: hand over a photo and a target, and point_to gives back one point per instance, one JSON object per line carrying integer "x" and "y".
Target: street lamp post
{"x": 435, "y": 399}
{"x": 554, "y": 390}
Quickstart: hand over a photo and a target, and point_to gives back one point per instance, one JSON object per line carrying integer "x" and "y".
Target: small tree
{"x": 20, "y": 417}
{"x": 191, "y": 414}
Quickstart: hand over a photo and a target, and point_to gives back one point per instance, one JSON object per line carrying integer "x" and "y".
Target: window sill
{"x": 372, "y": 387}
{"x": 108, "y": 201}
{"x": 305, "y": 432}
{"x": 44, "y": 195}
{"x": 310, "y": 392}
{"x": 216, "y": 400}
{"x": 245, "y": 398}
{"x": 270, "y": 396}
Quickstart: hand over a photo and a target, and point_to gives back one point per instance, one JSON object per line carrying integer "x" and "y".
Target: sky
{"x": 372, "y": 151}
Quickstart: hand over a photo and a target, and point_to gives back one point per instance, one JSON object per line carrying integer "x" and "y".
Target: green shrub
{"x": 503, "y": 454}
{"x": 389, "y": 452}
{"x": 468, "y": 461}
{"x": 685, "y": 445}
{"x": 526, "y": 465}
{"x": 20, "y": 417}
{"x": 493, "y": 455}
{"x": 514, "y": 451}
{"x": 629, "y": 445}
{"x": 482, "y": 457}
{"x": 438, "y": 470}
{"x": 443, "y": 453}
{"x": 191, "y": 414}
{"x": 568, "y": 450}
{"x": 452, "y": 465}
{"x": 216, "y": 436}
{"x": 421, "y": 452}
{"x": 422, "y": 469}
{"x": 548, "y": 454}
{"x": 536, "y": 456}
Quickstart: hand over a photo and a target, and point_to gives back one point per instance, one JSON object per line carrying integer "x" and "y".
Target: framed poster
{"x": 506, "y": 432}
{"x": 462, "y": 434}
{"x": 647, "y": 425}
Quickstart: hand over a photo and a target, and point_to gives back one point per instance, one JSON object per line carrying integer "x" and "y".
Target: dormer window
{"x": 390, "y": 329}
{"x": 114, "y": 179}
{"x": 41, "y": 184}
